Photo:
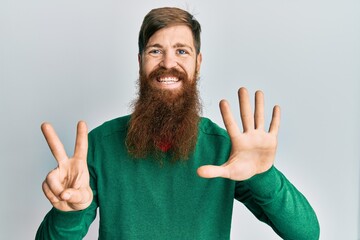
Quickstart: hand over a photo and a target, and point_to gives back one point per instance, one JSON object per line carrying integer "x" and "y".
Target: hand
{"x": 67, "y": 186}
{"x": 253, "y": 150}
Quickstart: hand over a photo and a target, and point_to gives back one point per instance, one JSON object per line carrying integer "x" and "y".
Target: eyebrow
{"x": 176, "y": 45}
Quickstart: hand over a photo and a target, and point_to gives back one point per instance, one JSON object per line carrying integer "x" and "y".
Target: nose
{"x": 168, "y": 61}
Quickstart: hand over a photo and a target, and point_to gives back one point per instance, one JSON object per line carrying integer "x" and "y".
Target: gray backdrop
{"x": 62, "y": 61}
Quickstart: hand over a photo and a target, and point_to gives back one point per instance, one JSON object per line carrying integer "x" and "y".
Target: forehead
{"x": 172, "y": 35}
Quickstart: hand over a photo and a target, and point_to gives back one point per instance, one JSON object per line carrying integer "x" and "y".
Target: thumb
{"x": 77, "y": 196}
{"x": 211, "y": 171}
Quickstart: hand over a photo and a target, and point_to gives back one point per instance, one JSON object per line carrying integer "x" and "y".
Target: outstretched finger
{"x": 275, "y": 120}
{"x": 246, "y": 114}
{"x": 55, "y": 145}
{"x": 228, "y": 118}
{"x": 259, "y": 110}
{"x": 81, "y": 143}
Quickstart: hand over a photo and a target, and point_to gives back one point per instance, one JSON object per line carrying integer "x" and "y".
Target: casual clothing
{"x": 149, "y": 199}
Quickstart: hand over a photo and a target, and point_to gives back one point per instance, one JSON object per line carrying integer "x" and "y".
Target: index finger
{"x": 55, "y": 145}
{"x": 228, "y": 118}
{"x": 81, "y": 143}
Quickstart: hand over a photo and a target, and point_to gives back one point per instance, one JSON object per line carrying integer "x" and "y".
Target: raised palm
{"x": 253, "y": 150}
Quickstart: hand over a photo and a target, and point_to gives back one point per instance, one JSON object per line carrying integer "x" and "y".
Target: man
{"x": 164, "y": 172}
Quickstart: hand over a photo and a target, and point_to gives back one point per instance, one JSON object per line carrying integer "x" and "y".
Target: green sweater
{"x": 145, "y": 199}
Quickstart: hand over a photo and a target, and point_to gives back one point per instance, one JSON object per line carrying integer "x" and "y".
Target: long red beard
{"x": 164, "y": 120}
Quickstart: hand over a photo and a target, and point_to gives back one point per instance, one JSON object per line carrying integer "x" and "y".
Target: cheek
{"x": 146, "y": 69}
{"x": 191, "y": 70}
{"x": 150, "y": 64}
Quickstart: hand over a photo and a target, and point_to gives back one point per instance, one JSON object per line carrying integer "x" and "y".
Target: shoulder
{"x": 213, "y": 145}
{"x": 209, "y": 128}
{"x": 111, "y": 127}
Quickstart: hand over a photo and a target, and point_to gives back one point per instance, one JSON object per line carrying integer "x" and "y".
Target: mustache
{"x": 161, "y": 72}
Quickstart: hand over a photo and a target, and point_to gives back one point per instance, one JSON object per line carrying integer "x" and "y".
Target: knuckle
{"x": 50, "y": 177}
{"x": 53, "y": 199}
{"x": 44, "y": 187}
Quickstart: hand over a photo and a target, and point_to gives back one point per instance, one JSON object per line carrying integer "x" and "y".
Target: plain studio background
{"x": 62, "y": 61}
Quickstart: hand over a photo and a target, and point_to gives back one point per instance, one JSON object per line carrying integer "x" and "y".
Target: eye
{"x": 155, "y": 52}
{"x": 181, "y": 51}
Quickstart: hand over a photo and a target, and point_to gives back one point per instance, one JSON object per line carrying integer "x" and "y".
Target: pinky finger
{"x": 275, "y": 120}
{"x": 49, "y": 194}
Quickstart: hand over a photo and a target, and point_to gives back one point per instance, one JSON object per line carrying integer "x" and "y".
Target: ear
{"x": 198, "y": 62}
{"x": 139, "y": 60}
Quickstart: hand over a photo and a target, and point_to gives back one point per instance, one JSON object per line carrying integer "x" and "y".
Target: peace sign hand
{"x": 253, "y": 150}
{"x": 67, "y": 186}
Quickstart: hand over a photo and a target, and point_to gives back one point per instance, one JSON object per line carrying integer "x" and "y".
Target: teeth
{"x": 168, "y": 79}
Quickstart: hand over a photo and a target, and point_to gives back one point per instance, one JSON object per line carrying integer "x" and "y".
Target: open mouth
{"x": 168, "y": 80}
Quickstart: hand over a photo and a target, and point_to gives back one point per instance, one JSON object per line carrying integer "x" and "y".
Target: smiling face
{"x": 167, "y": 110}
{"x": 170, "y": 58}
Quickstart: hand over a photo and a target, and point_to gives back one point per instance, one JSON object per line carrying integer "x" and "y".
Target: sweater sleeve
{"x": 275, "y": 201}
{"x": 65, "y": 225}
{"x": 68, "y": 225}
{"x": 75, "y": 224}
